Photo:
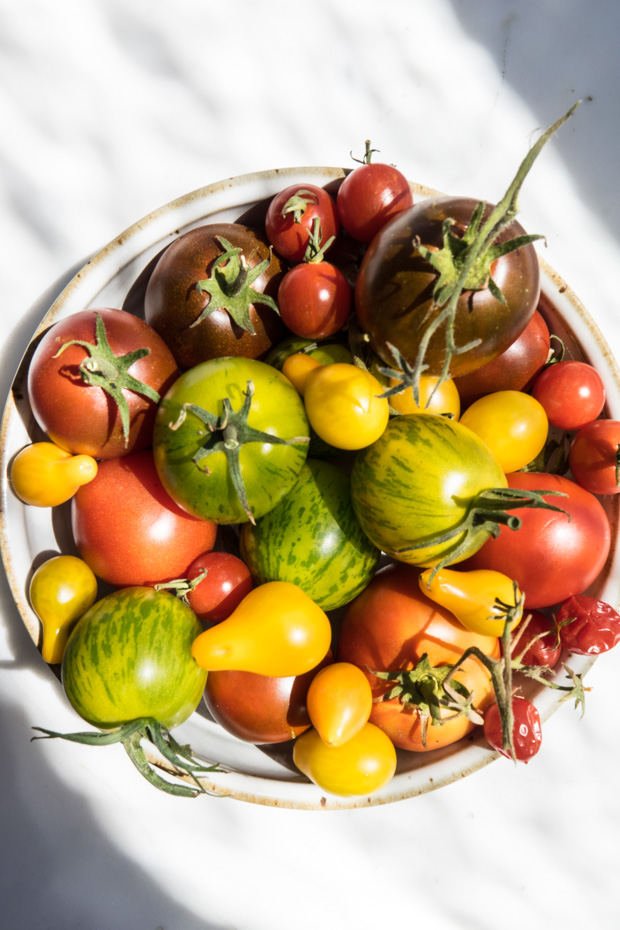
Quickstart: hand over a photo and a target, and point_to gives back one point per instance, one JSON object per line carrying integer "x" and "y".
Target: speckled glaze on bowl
{"x": 114, "y": 277}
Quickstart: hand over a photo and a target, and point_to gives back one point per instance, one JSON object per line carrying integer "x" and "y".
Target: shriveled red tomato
{"x": 390, "y": 627}
{"x": 594, "y": 457}
{"x": 212, "y": 293}
{"x": 588, "y": 626}
{"x": 553, "y": 555}
{"x": 130, "y": 531}
{"x": 95, "y": 380}
{"x": 536, "y": 640}
{"x": 370, "y": 196}
{"x": 290, "y": 217}
{"x": 526, "y": 729}
{"x": 572, "y": 393}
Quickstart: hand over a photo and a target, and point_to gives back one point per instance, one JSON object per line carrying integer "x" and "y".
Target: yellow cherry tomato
{"x": 276, "y": 630}
{"x": 475, "y": 597}
{"x": 437, "y": 398}
{"x": 297, "y": 367}
{"x": 344, "y": 406}
{"x": 512, "y": 424}
{"x": 61, "y": 591}
{"x": 339, "y": 702}
{"x": 361, "y": 766}
{"x": 44, "y": 475}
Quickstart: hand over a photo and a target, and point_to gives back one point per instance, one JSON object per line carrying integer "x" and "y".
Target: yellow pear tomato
{"x": 44, "y": 475}
{"x": 480, "y": 599}
{"x": 360, "y": 766}
{"x": 339, "y": 702}
{"x": 61, "y": 591}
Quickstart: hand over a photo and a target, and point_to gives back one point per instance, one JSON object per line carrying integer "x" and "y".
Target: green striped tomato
{"x": 418, "y": 482}
{"x": 313, "y": 539}
{"x": 130, "y": 657}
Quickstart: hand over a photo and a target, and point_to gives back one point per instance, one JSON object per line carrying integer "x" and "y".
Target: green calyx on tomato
{"x": 230, "y": 287}
{"x": 102, "y": 368}
{"x": 297, "y": 204}
{"x": 315, "y": 252}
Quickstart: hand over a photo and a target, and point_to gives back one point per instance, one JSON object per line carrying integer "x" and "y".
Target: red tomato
{"x": 572, "y": 393}
{"x": 390, "y": 626}
{"x": 370, "y": 196}
{"x": 536, "y": 640}
{"x": 594, "y": 626}
{"x": 526, "y": 729}
{"x": 82, "y": 417}
{"x": 260, "y": 709}
{"x": 594, "y": 457}
{"x": 550, "y": 556}
{"x": 314, "y": 300}
{"x": 226, "y": 583}
{"x": 290, "y": 217}
{"x": 128, "y": 529}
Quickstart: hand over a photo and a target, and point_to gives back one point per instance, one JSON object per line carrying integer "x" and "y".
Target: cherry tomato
{"x": 594, "y": 457}
{"x": 44, "y": 475}
{"x": 222, "y": 588}
{"x": 436, "y": 396}
{"x": 572, "y": 393}
{"x": 344, "y": 406}
{"x": 536, "y": 642}
{"x": 290, "y": 217}
{"x": 370, "y": 196}
{"x": 512, "y": 424}
{"x": 314, "y": 300}
{"x": 130, "y": 531}
{"x": 526, "y": 730}
{"x": 61, "y": 590}
{"x": 361, "y": 766}
{"x": 594, "y": 625}
{"x": 339, "y": 702}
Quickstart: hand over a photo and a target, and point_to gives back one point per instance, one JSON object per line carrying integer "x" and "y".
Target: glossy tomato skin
{"x": 514, "y": 369}
{"x": 369, "y": 197}
{"x": 82, "y": 418}
{"x": 389, "y": 627}
{"x": 536, "y": 641}
{"x": 594, "y": 626}
{"x": 551, "y": 557}
{"x": 526, "y": 729}
{"x": 260, "y": 709}
{"x": 315, "y": 300}
{"x": 226, "y": 583}
{"x": 172, "y": 304}
{"x": 594, "y": 457}
{"x": 394, "y": 291}
{"x": 129, "y": 530}
{"x": 572, "y": 393}
{"x": 290, "y": 237}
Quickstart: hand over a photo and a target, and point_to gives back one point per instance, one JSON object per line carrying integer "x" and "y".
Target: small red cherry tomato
{"x": 594, "y": 457}
{"x": 370, "y": 196}
{"x": 572, "y": 393}
{"x": 588, "y": 626}
{"x": 290, "y": 217}
{"x": 226, "y": 582}
{"x": 314, "y": 300}
{"x": 536, "y": 641}
{"x": 526, "y": 729}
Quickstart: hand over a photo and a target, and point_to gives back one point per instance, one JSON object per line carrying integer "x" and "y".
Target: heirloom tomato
{"x": 370, "y": 196}
{"x": 230, "y": 439}
{"x": 512, "y": 424}
{"x": 572, "y": 393}
{"x": 594, "y": 457}
{"x": 392, "y": 627}
{"x": 216, "y": 584}
{"x": 436, "y": 396}
{"x": 95, "y": 380}
{"x": 356, "y": 768}
{"x": 339, "y": 702}
{"x": 212, "y": 293}
{"x": 314, "y": 299}
{"x": 61, "y": 590}
{"x": 291, "y": 215}
{"x": 344, "y": 405}
{"x": 526, "y": 729}
{"x": 129, "y": 530}
{"x": 44, "y": 475}
{"x": 536, "y": 641}
{"x": 588, "y": 626}
{"x": 324, "y": 352}
{"x": 555, "y": 553}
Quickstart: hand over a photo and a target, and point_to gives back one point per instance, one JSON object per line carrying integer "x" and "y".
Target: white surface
{"x": 109, "y": 109}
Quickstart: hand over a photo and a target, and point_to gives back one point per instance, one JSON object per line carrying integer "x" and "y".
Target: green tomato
{"x": 230, "y": 438}
{"x": 129, "y": 657}
{"x": 324, "y": 352}
{"x": 313, "y": 539}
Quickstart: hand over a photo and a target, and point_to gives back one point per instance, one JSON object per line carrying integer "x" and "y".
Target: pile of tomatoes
{"x": 300, "y": 491}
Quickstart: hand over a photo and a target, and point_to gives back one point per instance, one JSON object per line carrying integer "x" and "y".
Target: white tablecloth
{"x": 110, "y": 108}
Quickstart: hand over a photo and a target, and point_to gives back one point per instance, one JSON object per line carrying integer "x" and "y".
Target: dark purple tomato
{"x": 207, "y": 297}
{"x": 394, "y": 295}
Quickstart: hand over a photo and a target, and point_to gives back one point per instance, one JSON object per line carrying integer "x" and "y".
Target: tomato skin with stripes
{"x": 418, "y": 482}
{"x": 313, "y": 539}
{"x": 130, "y": 657}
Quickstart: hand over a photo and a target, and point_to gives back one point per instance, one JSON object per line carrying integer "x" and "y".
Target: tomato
{"x": 572, "y": 393}
{"x": 130, "y": 657}
{"x": 394, "y": 299}
{"x": 370, "y": 196}
{"x": 276, "y": 630}
{"x": 361, "y": 766}
{"x": 212, "y": 293}
{"x": 481, "y": 600}
{"x": 526, "y": 729}
{"x": 594, "y": 457}
{"x": 390, "y": 627}
{"x": 225, "y": 581}
{"x": 440, "y": 397}
{"x": 324, "y": 352}
{"x": 44, "y": 475}
{"x": 513, "y": 369}
{"x": 290, "y": 217}
{"x": 344, "y": 405}
{"x": 61, "y": 590}
{"x": 260, "y": 709}
{"x": 312, "y": 538}
{"x": 554, "y": 554}
{"x": 95, "y": 380}
{"x": 419, "y": 481}
{"x": 339, "y": 702}
{"x": 536, "y": 642}
{"x": 315, "y": 300}
{"x": 512, "y": 424}
{"x": 588, "y": 626}
{"x": 297, "y": 367}
{"x": 128, "y": 529}
{"x": 230, "y": 439}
